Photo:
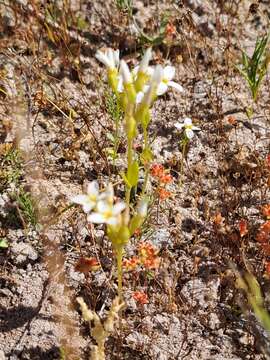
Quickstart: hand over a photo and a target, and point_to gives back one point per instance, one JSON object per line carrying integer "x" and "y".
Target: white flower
{"x": 107, "y": 213}
{"x": 89, "y": 200}
{"x": 141, "y": 94}
{"x": 110, "y": 58}
{"x": 143, "y": 67}
{"x": 108, "y": 195}
{"x": 125, "y": 73}
{"x": 168, "y": 75}
{"x": 188, "y": 126}
{"x": 154, "y": 84}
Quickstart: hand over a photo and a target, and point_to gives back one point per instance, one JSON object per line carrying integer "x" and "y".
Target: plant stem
{"x": 146, "y": 166}
{"x": 182, "y": 163}
{"x": 119, "y": 257}
{"x": 129, "y": 161}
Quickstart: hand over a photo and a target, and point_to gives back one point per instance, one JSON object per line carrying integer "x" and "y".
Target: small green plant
{"x": 11, "y": 167}
{"x": 135, "y": 91}
{"x": 26, "y": 207}
{"x": 155, "y": 39}
{"x": 254, "y": 68}
{"x": 188, "y": 134}
{"x": 125, "y": 5}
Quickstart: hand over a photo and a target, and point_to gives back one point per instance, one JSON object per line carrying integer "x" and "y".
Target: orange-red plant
{"x": 163, "y": 178}
{"x": 148, "y": 255}
{"x": 85, "y": 265}
{"x": 148, "y": 258}
{"x": 266, "y": 211}
{"x": 140, "y": 297}
{"x": 263, "y": 237}
{"x": 243, "y": 227}
{"x": 131, "y": 264}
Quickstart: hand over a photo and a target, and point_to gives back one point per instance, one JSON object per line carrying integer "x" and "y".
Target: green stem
{"x": 182, "y": 163}
{"x": 129, "y": 161}
{"x": 119, "y": 257}
{"x": 146, "y": 177}
{"x": 146, "y": 166}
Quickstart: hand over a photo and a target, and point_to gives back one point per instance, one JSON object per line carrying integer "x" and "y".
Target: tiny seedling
{"x": 254, "y": 68}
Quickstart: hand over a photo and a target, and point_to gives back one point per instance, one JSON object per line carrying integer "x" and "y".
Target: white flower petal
{"x": 80, "y": 199}
{"x": 116, "y": 58}
{"x": 157, "y": 75}
{"x": 120, "y": 86}
{"x": 162, "y": 88}
{"x": 110, "y": 55}
{"x": 179, "y": 125}
{"x": 125, "y": 72}
{"x": 188, "y": 121}
{"x": 139, "y": 97}
{"x": 169, "y": 72}
{"x": 145, "y": 61}
{"x": 87, "y": 207}
{"x": 108, "y": 194}
{"x": 103, "y": 58}
{"x": 118, "y": 208}
{"x": 92, "y": 188}
{"x": 189, "y": 133}
{"x": 96, "y": 218}
{"x": 103, "y": 206}
{"x": 196, "y": 128}
{"x": 176, "y": 86}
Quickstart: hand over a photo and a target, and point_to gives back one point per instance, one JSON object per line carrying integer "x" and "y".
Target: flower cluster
{"x": 143, "y": 82}
{"x": 163, "y": 178}
{"x": 147, "y": 258}
{"x": 100, "y": 207}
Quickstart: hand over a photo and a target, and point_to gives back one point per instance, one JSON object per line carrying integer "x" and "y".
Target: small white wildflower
{"x": 107, "y": 213}
{"x": 110, "y": 58}
{"x": 188, "y": 126}
{"x": 89, "y": 200}
{"x": 143, "y": 67}
{"x": 168, "y": 75}
{"x": 108, "y": 195}
{"x": 125, "y": 73}
{"x": 153, "y": 85}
